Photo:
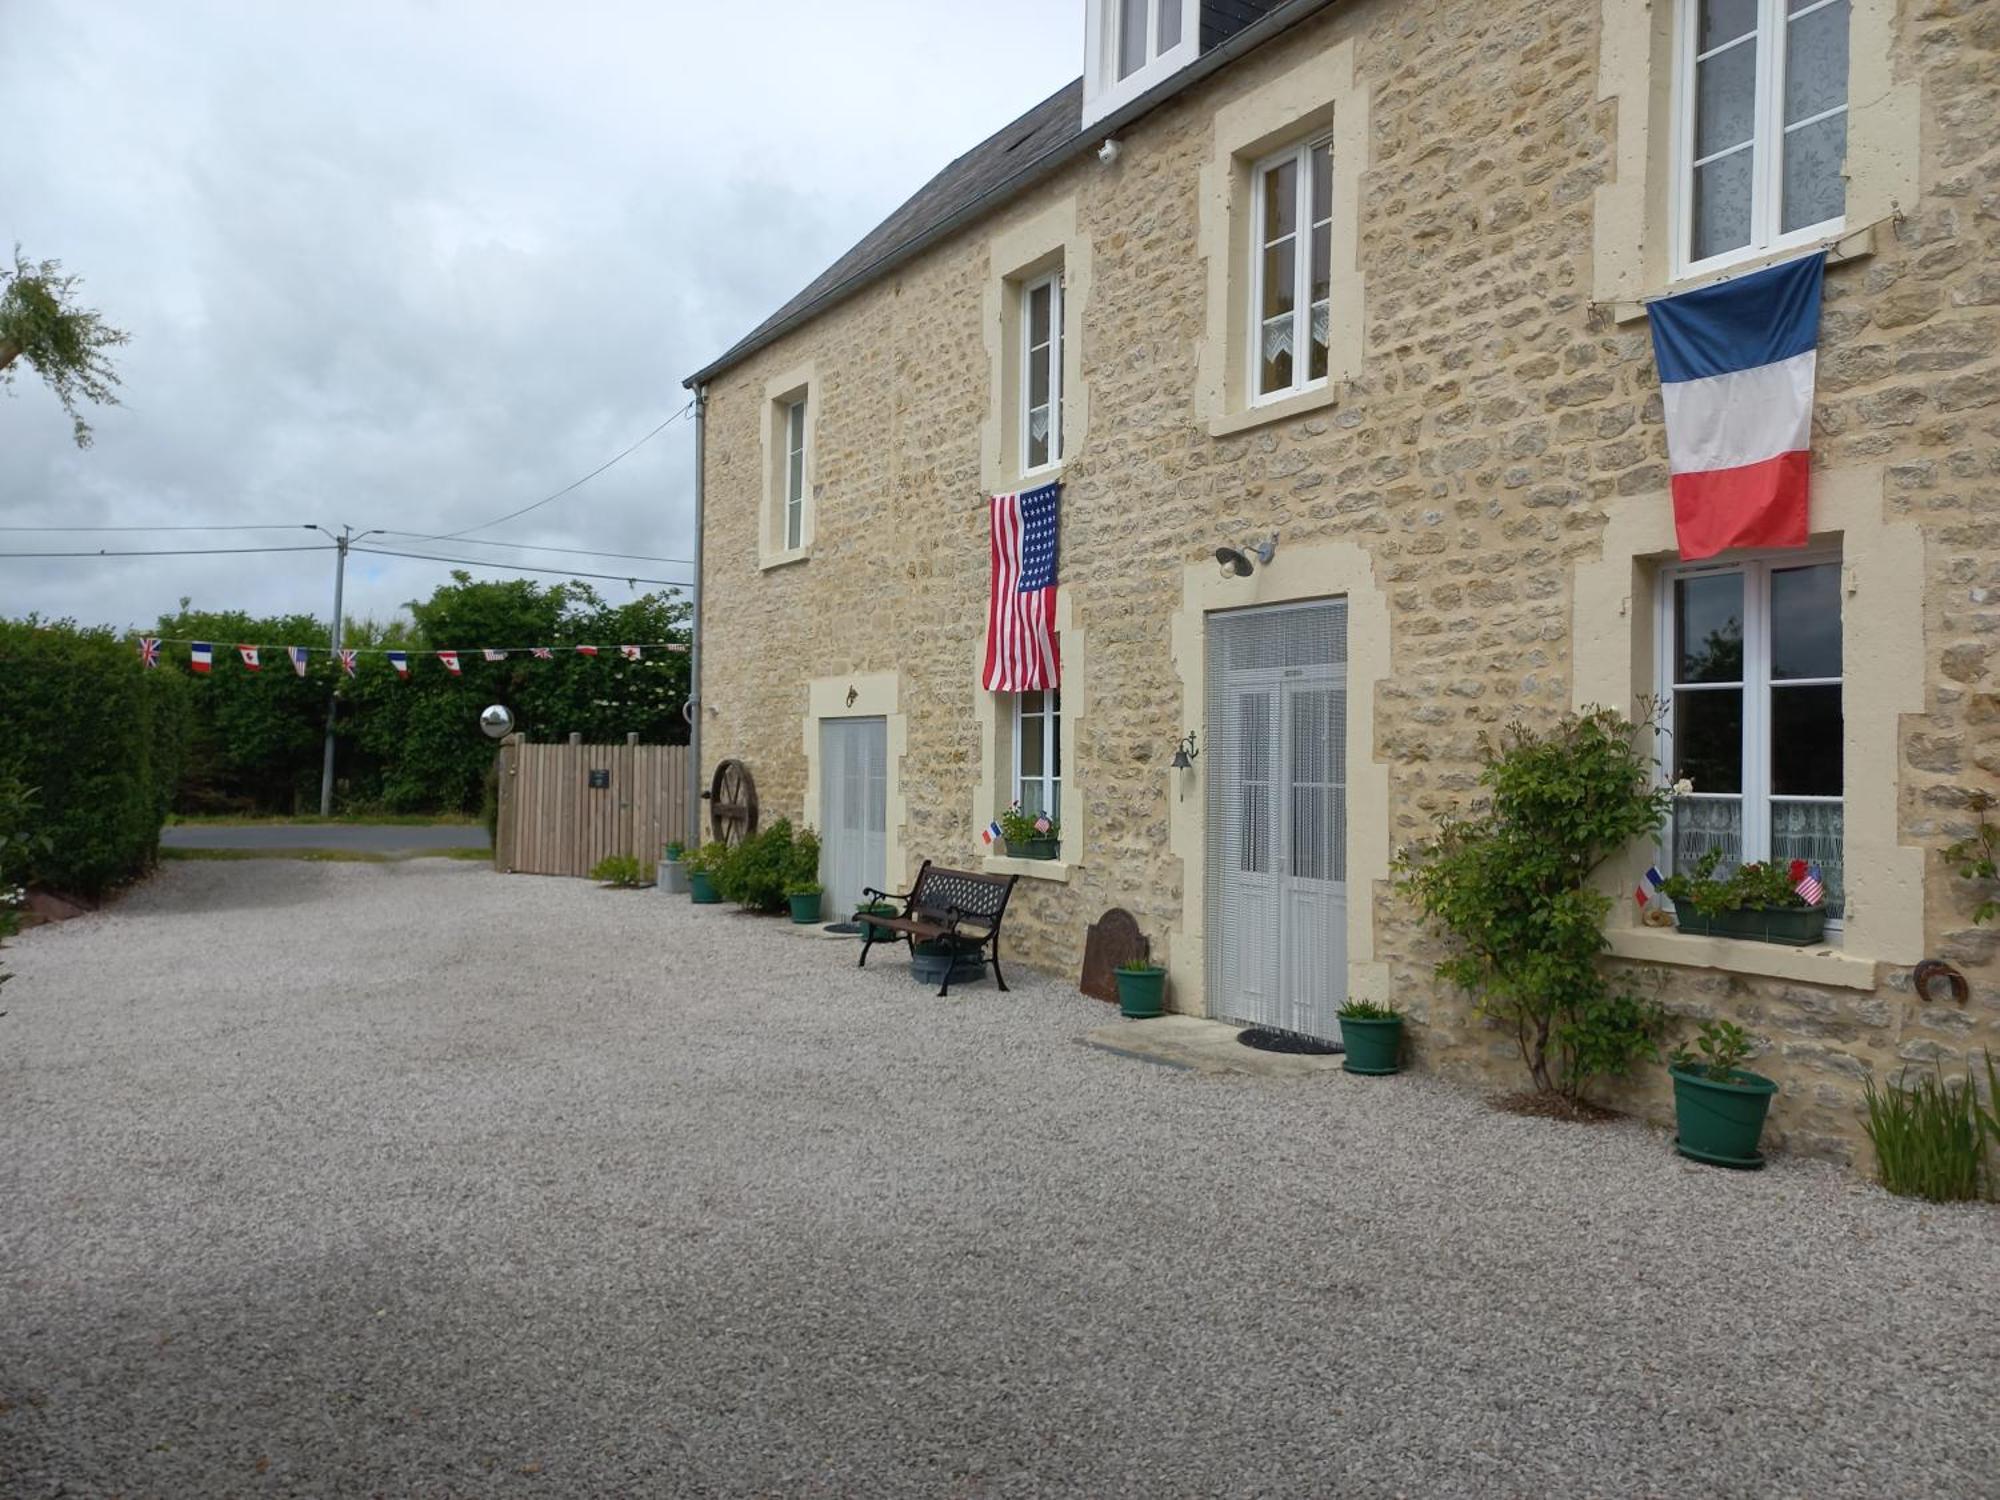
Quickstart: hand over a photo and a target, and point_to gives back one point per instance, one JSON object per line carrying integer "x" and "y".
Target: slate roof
{"x": 1049, "y": 131}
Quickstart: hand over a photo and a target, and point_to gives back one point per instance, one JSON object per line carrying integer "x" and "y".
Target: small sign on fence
{"x": 600, "y": 779}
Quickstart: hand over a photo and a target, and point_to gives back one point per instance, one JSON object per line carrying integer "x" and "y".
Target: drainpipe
{"x": 694, "y": 699}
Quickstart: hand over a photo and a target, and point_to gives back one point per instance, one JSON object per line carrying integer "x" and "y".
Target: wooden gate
{"x": 565, "y": 807}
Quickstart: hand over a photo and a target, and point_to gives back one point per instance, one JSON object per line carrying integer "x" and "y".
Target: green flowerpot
{"x": 1034, "y": 848}
{"x": 1372, "y": 1047}
{"x": 868, "y": 929}
{"x": 1141, "y": 992}
{"x": 1795, "y": 926}
{"x": 806, "y": 908}
{"x": 701, "y": 886}
{"x": 930, "y": 962}
{"x": 1719, "y": 1120}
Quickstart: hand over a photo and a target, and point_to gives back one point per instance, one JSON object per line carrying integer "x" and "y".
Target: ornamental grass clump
{"x": 1936, "y": 1140}
{"x": 1509, "y": 886}
{"x": 622, "y": 871}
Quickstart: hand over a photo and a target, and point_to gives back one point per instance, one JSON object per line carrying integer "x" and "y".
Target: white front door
{"x": 1277, "y": 817}
{"x": 854, "y": 810}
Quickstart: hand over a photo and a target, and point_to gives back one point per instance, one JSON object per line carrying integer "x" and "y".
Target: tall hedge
{"x": 101, "y": 737}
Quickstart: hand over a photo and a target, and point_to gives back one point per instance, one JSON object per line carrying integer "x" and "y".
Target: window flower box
{"x": 1798, "y": 926}
{"x": 1034, "y": 848}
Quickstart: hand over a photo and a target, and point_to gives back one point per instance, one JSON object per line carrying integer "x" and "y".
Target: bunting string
{"x": 201, "y": 654}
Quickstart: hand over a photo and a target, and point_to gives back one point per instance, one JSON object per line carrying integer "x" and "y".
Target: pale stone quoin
{"x": 1482, "y": 477}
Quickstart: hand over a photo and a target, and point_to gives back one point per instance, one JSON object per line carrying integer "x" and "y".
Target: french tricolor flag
{"x": 1737, "y": 361}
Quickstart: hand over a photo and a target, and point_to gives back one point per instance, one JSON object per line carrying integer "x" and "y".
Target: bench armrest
{"x": 903, "y": 896}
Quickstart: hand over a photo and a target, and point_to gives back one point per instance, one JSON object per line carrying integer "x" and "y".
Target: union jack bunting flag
{"x": 1022, "y": 654}
{"x": 543, "y": 653}
{"x": 347, "y": 662}
{"x": 149, "y": 651}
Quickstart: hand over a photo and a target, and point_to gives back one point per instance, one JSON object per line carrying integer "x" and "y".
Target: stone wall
{"x": 1499, "y": 421}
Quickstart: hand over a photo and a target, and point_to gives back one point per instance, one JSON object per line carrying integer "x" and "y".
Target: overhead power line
{"x": 445, "y": 536}
{"x": 171, "y": 552}
{"x": 276, "y": 526}
{"x": 482, "y": 562}
{"x": 473, "y": 541}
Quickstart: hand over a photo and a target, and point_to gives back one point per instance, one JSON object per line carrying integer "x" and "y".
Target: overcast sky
{"x": 414, "y": 265}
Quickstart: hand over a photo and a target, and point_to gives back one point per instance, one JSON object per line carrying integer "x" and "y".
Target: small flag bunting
{"x": 630, "y": 653}
{"x": 149, "y": 651}
{"x": 250, "y": 661}
{"x": 543, "y": 653}
{"x": 586, "y": 651}
{"x": 298, "y": 656}
{"x": 450, "y": 660}
{"x": 201, "y": 656}
{"x": 346, "y": 662}
{"x": 400, "y": 660}
{"x": 491, "y": 655}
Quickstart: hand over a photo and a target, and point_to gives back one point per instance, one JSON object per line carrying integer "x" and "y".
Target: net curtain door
{"x": 854, "y": 808}
{"x": 1277, "y": 816}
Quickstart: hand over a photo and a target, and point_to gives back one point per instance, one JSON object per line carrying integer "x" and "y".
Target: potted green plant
{"x": 1030, "y": 835}
{"x": 932, "y": 960}
{"x": 701, "y": 865}
{"x": 673, "y": 875}
{"x": 1758, "y": 902}
{"x": 805, "y": 897}
{"x": 1142, "y": 988}
{"x": 1719, "y": 1105}
{"x": 1372, "y": 1037}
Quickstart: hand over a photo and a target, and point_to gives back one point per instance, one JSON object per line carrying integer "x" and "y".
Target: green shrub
{"x": 1936, "y": 1141}
{"x": 1368, "y": 1010}
{"x": 755, "y": 873}
{"x": 708, "y": 859}
{"x": 621, "y": 870}
{"x": 1719, "y": 1052}
{"x": 1510, "y": 886}
{"x": 101, "y": 737}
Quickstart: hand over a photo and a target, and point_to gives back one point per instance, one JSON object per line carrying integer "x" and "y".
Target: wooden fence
{"x": 565, "y": 807}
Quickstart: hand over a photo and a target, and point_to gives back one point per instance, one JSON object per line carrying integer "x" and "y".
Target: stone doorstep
{"x": 1202, "y": 1046}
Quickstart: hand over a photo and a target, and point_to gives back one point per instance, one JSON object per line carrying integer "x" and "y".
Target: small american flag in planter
{"x": 1807, "y": 882}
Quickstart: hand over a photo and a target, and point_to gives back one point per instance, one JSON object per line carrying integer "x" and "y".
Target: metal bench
{"x": 957, "y": 906}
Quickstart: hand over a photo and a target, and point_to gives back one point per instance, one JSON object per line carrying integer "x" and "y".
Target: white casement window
{"x": 1041, "y": 373}
{"x": 795, "y": 473}
{"x": 1291, "y": 213}
{"x": 1038, "y": 753}
{"x": 1760, "y": 127}
{"x": 1750, "y": 664}
{"x": 1130, "y": 45}
{"x": 1144, "y": 32}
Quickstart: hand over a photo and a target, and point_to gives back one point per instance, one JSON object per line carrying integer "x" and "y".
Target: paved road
{"x": 414, "y": 1179}
{"x": 368, "y": 838}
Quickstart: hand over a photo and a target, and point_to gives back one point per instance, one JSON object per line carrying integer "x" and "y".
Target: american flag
{"x": 543, "y": 653}
{"x": 450, "y": 660}
{"x": 347, "y": 662}
{"x": 1810, "y": 887}
{"x": 149, "y": 651}
{"x": 1022, "y": 653}
{"x": 298, "y": 656}
{"x": 493, "y": 655}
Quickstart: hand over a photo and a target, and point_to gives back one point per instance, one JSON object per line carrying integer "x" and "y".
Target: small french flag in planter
{"x": 1737, "y": 365}
{"x": 990, "y": 834}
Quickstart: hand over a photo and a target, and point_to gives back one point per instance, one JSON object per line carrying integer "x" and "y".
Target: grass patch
{"x": 328, "y": 856}
{"x": 305, "y": 820}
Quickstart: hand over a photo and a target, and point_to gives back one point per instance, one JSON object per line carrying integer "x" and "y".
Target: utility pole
{"x": 341, "y": 543}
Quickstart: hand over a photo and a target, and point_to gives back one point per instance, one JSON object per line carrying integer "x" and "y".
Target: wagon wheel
{"x": 732, "y": 802}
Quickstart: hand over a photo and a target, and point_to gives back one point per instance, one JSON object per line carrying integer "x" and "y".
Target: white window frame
{"x": 1302, "y": 232}
{"x": 1050, "y": 729}
{"x": 1104, "y": 91}
{"x": 1756, "y": 795}
{"x": 1768, "y": 112}
{"x": 793, "y": 520}
{"x": 1053, "y": 281}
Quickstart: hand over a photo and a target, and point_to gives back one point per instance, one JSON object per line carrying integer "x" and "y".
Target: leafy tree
{"x": 1510, "y": 885}
{"x": 66, "y": 345}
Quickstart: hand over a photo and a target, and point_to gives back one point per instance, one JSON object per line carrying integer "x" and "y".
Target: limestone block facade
{"x": 1483, "y": 479}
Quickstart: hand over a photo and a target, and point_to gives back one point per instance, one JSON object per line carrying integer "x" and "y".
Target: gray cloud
{"x": 414, "y": 265}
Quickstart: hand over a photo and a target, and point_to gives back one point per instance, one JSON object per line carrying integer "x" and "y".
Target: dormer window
{"x": 1130, "y": 45}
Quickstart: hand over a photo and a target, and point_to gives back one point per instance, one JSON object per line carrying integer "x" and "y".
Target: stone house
{"x": 1368, "y": 276}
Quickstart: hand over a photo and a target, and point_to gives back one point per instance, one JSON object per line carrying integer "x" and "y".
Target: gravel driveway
{"x": 412, "y": 1179}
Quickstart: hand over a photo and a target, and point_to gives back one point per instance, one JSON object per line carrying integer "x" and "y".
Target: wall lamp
{"x": 1235, "y": 561}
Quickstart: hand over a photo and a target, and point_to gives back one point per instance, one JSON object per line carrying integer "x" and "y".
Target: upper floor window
{"x": 1041, "y": 372}
{"x": 1751, "y": 670}
{"x": 1130, "y": 45}
{"x": 1291, "y": 215}
{"x": 1038, "y": 753}
{"x": 795, "y": 473}
{"x": 1761, "y": 135}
